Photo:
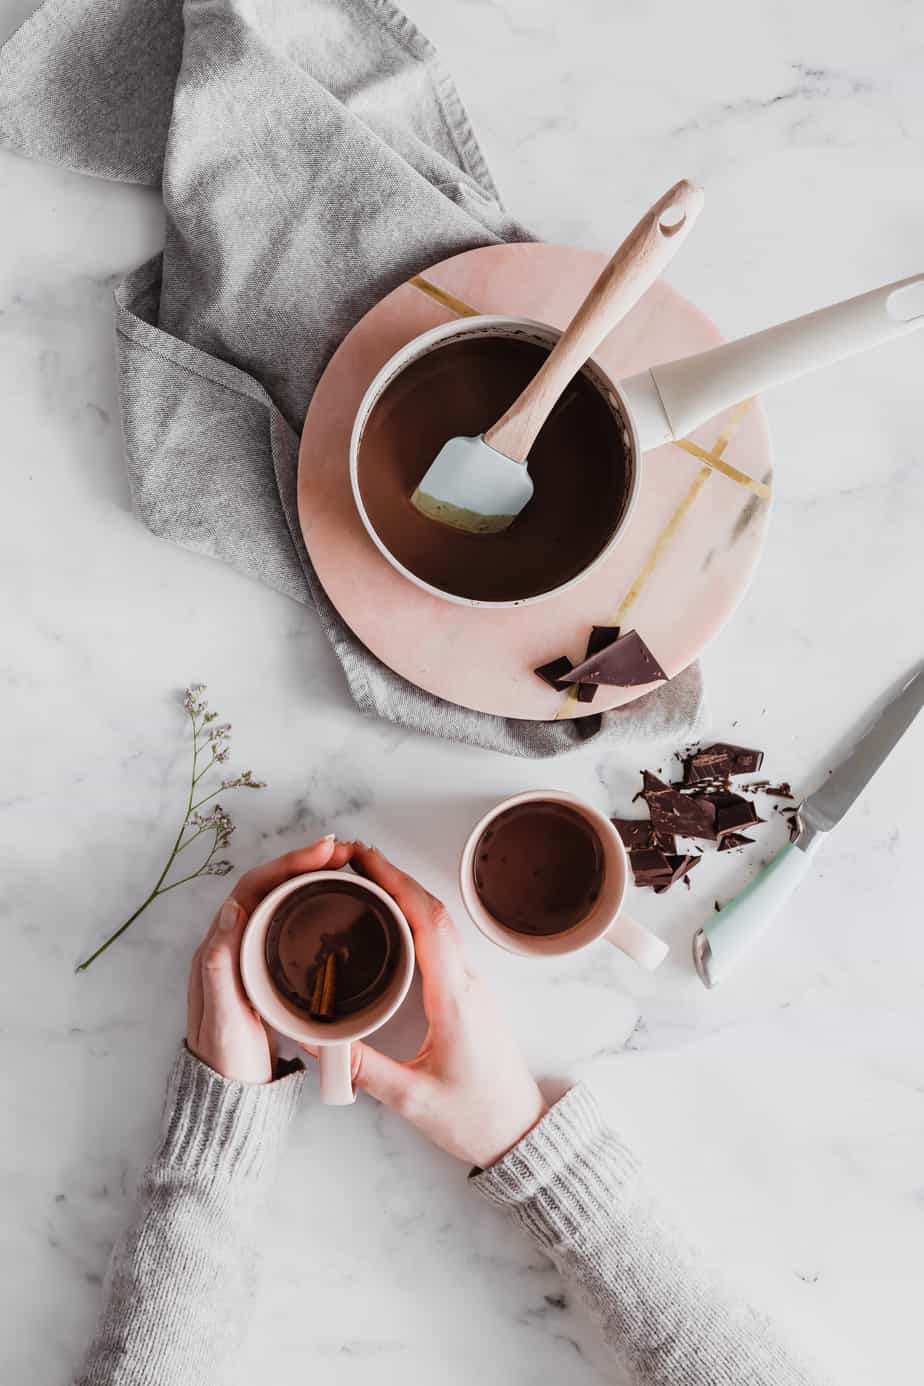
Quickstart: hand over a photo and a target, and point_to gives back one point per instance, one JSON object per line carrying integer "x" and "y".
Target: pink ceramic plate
{"x": 676, "y": 575}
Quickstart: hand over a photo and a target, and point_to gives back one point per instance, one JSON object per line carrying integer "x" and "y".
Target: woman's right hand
{"x": 469, "y": 1088}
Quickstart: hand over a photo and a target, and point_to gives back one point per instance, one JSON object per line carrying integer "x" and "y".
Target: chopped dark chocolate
{"x": 743, "y": 760}
{"x": 711, "y": 764}
{"x": 680, "y": 867}
{"x": 780, "y": 791}
{"x": 600, "y": 637}
{"x": 636, "y": 833}
{"x": 588, "y": 727}
{"x": 552, "y": 672}
{"x": 795, "y": 826}
{"x": 717, "y": 907}
{"x": 680, "y": 814}
{"x": 731, "y": 840}
{"x": 585, "y": 692}
{"x": 626, "y": 663}
{"x": 740, "y": 813}
{"x": 650, "y": 868}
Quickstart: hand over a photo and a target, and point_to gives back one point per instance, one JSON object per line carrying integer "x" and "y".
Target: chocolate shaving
{"x": 732, "y": 840}
{"x": 626, "y": 663}
{"x": 780, "y": 791}
{"x": 795, "y": 826}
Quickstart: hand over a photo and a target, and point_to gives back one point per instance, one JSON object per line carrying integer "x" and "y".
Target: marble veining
{"x": 784, "y": 1112}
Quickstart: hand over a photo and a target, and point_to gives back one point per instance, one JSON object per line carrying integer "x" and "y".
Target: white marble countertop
{"x": 784, "y": 1113}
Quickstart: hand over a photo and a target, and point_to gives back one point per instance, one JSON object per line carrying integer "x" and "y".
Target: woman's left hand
{"x": 222, "y": 1028}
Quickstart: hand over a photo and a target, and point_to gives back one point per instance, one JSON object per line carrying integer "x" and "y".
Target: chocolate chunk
{"x": 680, "y": 814}
{"x": 636, "y": 833}
{"x": 780, "y": 791}
{"x": 585, "y": 692}
{"x": 650, "y": 868}
{"x": 795, "y": 826}
{"x": 743, "y": 760}
{"x": 552, "y": 673}
{"x": 600, "y": 637}
{"x": 732, "y": 840}
{"x": 712, "y": 764}
{"x": 626, "y": 663}
{"x": 587, "y": 727}
{"x": 680, "y": 867}
{"x": 740, "y": 813}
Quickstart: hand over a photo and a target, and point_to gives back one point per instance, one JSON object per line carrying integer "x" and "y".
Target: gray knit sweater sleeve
{"x": 180, "y": 1277}
{"x": 575, "y": 1189}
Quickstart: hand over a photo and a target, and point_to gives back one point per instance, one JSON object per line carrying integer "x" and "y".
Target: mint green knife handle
{"x": 732, "y": 931}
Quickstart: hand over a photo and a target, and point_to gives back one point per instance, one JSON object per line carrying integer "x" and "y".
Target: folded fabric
{"x": 312, "y": 156}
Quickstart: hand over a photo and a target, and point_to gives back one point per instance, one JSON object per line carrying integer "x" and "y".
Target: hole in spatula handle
{"x": 906, "y": 304}
{"x": 672, "y": 219}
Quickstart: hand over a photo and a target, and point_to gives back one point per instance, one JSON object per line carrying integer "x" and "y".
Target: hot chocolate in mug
{"x": 326, "y": 959}
{"x": 555, "y": 886}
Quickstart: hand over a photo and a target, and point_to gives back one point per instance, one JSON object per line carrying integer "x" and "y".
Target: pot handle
{"x": 669, "y": 401}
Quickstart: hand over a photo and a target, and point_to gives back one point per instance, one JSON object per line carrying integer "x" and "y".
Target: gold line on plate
{"x": 663, "y": 540}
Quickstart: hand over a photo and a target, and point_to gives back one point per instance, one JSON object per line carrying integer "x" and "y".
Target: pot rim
{"x": 491, "y": 324}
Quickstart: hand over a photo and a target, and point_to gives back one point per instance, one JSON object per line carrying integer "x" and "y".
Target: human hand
{"x": 468, "y": 1089}
{"x": 222, "y": 1028}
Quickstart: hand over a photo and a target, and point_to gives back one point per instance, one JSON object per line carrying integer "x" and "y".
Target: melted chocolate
{"x": 332, "y": 917}
{"x": 539, "y": 868}
{"x": 578, "y": 465}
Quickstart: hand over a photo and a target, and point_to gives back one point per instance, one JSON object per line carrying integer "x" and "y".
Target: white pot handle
{"x": 697, "y": 388}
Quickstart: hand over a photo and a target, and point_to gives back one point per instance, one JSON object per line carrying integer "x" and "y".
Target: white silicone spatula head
{"x": 482, "y": 484}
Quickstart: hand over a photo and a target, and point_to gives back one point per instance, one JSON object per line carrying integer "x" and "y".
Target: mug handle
{"x": 336, "y": 1075}
{"x": 639, "y": 943}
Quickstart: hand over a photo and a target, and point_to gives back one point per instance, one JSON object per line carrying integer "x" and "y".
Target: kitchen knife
{"x": 732, "y": 930}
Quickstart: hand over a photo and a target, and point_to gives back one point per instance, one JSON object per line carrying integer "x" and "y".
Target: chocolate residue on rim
{"x": 579, "y": 466}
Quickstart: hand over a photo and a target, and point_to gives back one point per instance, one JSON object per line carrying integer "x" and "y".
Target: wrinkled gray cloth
{"x": 313, "y": 155}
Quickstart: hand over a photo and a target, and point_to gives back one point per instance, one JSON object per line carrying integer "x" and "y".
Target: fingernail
{"x": 329, "y": 837}
{"x": 230, "y": 914}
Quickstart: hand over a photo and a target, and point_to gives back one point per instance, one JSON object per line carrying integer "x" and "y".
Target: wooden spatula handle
{"x": 638, "y": 262}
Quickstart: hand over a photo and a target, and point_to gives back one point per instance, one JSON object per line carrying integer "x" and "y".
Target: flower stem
{"x": 82, "y": 967}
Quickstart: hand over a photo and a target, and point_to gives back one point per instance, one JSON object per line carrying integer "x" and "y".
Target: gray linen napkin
{"x": 313, "y": 155}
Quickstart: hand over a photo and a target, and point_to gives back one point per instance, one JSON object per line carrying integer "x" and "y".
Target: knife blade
{"x": 824, "y": 809}
{"x": 718, "y": 945}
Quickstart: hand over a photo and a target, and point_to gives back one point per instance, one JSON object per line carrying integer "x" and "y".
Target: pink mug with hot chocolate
{"x": 544, "y": 873}
{"x": 327, "y": 958}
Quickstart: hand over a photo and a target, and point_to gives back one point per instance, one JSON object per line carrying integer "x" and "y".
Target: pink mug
{"x": 332, "y": 1039}
{"x": 605, "y": 920}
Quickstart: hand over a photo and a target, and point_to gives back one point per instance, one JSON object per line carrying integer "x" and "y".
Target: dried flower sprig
{"x": 212, "y": 745}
